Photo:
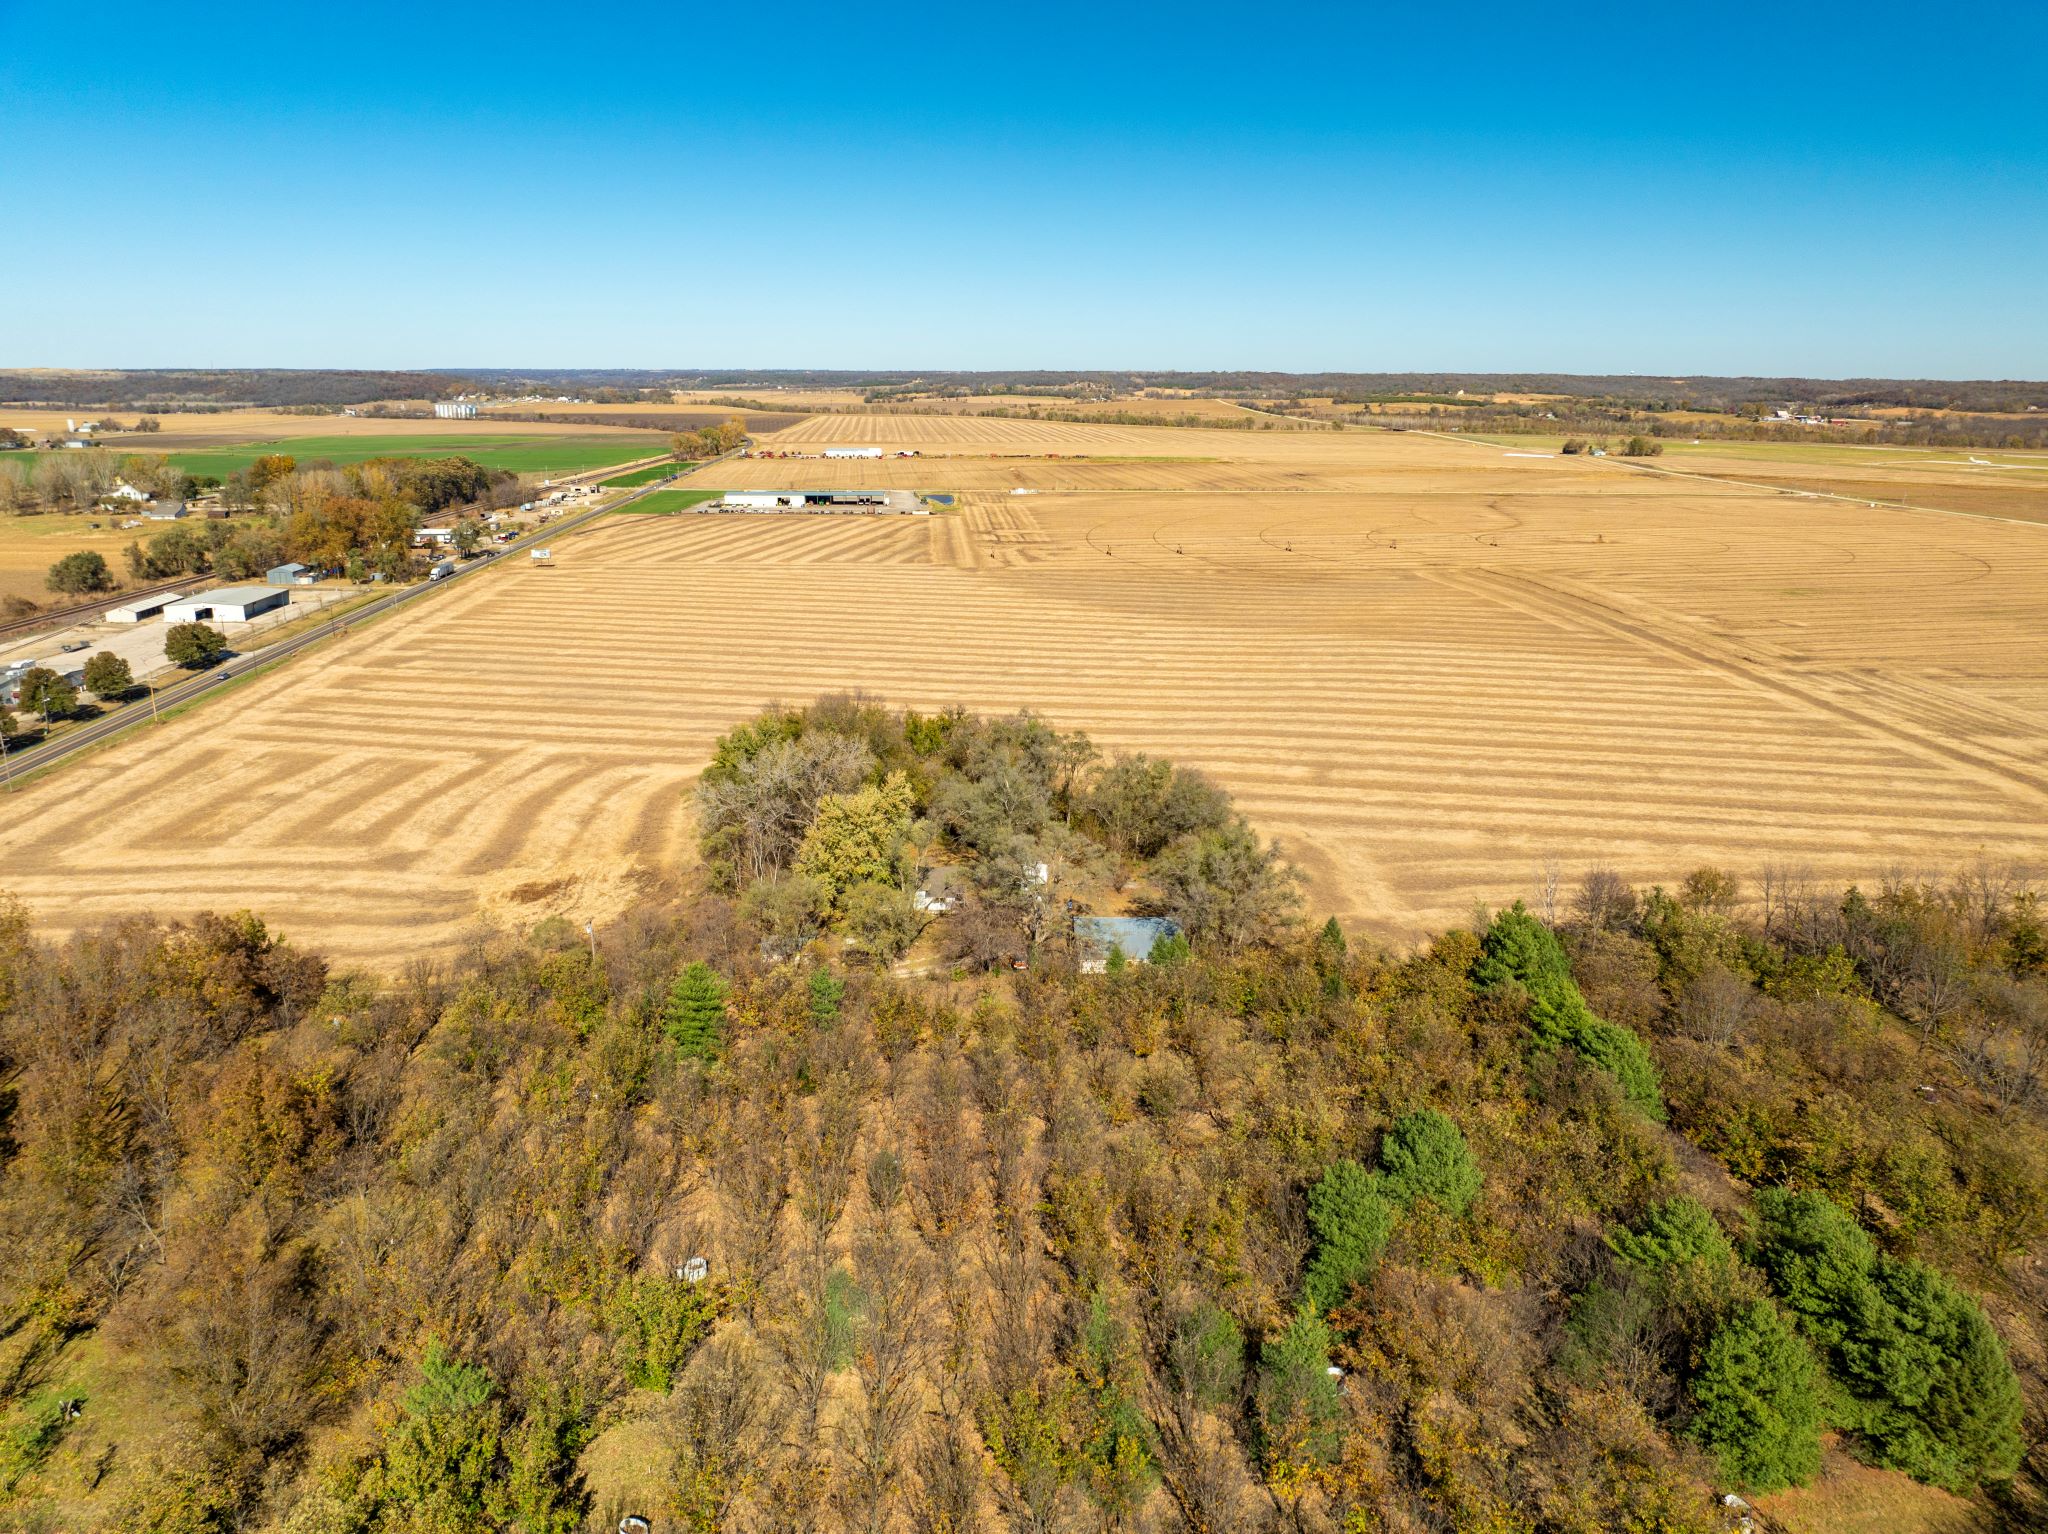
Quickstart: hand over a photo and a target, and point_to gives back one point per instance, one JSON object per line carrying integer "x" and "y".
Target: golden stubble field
{"x": 1427, "y": 667}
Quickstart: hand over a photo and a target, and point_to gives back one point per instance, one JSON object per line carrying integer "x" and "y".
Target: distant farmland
{"x": 1428, "y": 668}
{"x": 516, "y": 454}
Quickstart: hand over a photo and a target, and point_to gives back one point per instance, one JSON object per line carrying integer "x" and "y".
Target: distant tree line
{"x": 179, "y": 388}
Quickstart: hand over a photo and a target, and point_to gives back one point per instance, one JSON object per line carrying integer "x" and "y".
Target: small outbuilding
{"x": 1132, "y": 936}
{"x": 227, "y": 604}
{"x": 148, "y": 607}
{"x": 288, "y": 575}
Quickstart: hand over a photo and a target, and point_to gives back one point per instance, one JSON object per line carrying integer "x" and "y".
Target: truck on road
{"x": 442, "y": 571}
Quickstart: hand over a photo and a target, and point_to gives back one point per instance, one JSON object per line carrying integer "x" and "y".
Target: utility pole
{"x": 590, "y": 931}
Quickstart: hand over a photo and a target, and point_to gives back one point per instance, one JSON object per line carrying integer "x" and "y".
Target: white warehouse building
{"x": 147, "y": 607}
{"x": 227, "y": 604}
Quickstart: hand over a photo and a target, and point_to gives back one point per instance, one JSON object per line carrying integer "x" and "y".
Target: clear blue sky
{"x": 1825, "y": 190}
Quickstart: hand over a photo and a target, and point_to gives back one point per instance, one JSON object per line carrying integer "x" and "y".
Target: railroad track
{"x": 58, "y": 617}
{"x": 186, "y": 689}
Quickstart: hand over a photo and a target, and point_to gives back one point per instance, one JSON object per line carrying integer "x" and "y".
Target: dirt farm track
{"x": 1425, "y": 666}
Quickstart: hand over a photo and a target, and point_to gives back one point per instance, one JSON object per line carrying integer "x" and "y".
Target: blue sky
{"x": 1795, "y": 189}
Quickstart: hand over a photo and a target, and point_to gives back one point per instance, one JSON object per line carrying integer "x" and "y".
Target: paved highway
{"x": 184, "y": 690}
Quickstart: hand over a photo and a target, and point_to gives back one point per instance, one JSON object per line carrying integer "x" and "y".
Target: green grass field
{"x": 665, "y": 502}
{"x": 519, "y": 455}
{"x": 646, "y": 476}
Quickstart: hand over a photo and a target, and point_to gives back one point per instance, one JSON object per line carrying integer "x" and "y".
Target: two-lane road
{"x": 35, "y": 758}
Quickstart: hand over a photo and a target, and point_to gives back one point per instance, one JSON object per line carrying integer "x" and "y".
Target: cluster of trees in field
{"x": 710, "y": 441}
{"x": 833, "y": 816}
{"x": 1290, "y": 1233}
{"x": 1634, "y": 447}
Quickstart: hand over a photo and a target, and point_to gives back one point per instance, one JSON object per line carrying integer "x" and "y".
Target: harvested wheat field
{"x": 1427, "y": 667}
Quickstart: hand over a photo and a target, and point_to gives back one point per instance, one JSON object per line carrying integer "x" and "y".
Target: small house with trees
{"x": 938, "y": 892}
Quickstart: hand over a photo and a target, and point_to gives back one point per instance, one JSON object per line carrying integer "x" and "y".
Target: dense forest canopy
{"x": 1571, "y": 1220}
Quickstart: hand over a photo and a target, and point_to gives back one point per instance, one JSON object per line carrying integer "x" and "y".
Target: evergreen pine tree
{"x": 695, "y": 1014}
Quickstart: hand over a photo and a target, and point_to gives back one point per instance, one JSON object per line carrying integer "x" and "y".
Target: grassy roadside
{"x": 314, "y": 619}
{"x": 646, "y": 476}
{"x": 663, "y": 503}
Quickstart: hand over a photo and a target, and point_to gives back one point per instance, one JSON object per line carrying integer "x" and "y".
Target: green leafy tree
{"x": 788, "y": 910}
{"x": 1351, "y": 1220}
{"x": 1673, "y": 1231}
{"x": 1300, "y": 1410}
{"x": 107, "y": 675}
{"x": 695, "y": 1016}
{"x": 80, "y": 574}
{"x": 1224, "y": 886}
{"x": 441, "y": 1456}
{"x": 1518, "y": 949}
{"x": 9, "y": 725}
{"x": 858, "y": 838}
{"x": 881, "y": 920}
{"x": 1206, "y": 1357}
{"x": 1757, "y": 1400}
{"x": 1116, "y": 1448}
{"x": 657, "y": 1321}
{"x": 47, "y": 693}
{"x": 194, "y": 645}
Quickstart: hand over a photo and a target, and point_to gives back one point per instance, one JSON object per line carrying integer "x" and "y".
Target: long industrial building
{"x": 902, "y": 502}
{"x": 227, "y": 604}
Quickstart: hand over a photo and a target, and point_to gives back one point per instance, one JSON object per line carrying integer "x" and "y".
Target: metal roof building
{"x": 1132, "y": 935}
{"x": 147, "y": 607}
{"x": 227, "y": 604}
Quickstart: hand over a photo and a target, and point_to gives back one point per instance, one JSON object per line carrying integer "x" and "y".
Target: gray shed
{"x": 1133, "y": 936}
